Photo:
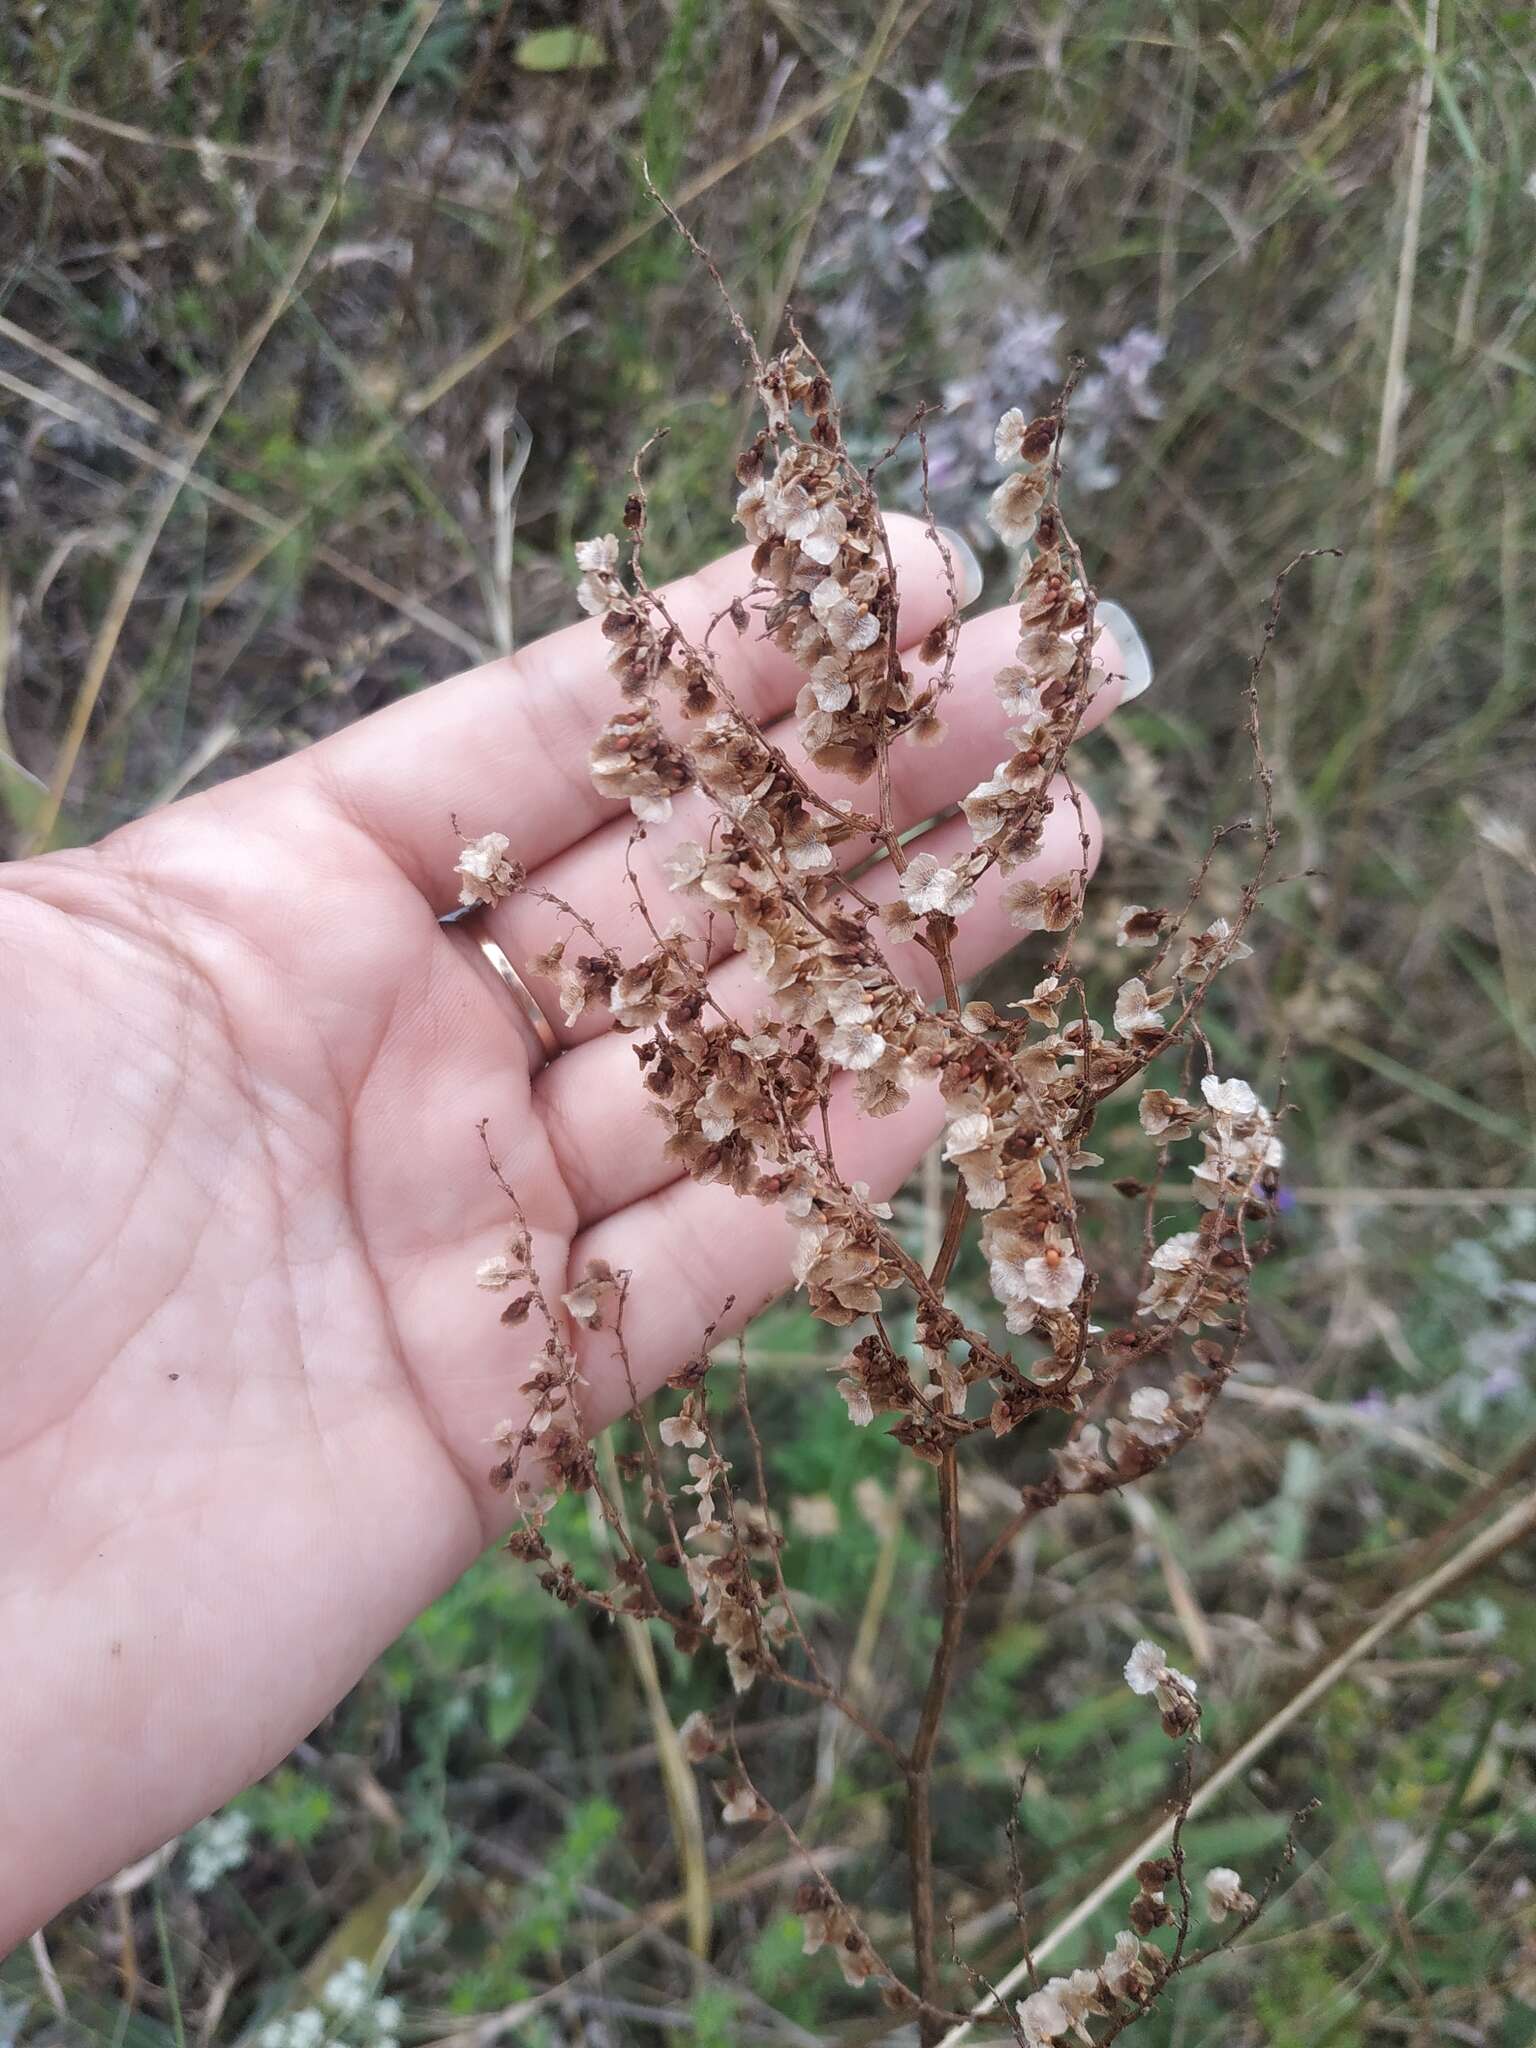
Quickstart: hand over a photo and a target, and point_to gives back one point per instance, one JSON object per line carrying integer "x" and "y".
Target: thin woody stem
{"x": 836, "y": 1698}
{"x": 1014, "y": 1527}
{"x": 919, "y": 1818}
{"x": 925, "y": 1744}
{"x": 763, "y": 811}
{"x": 949, "y": 1244}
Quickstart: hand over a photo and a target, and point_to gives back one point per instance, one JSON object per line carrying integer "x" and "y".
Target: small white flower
{"x": 584, "y": 1302}
{"x": 1008, "y": 1280}
{"x": 1048, "y": 655}
{"x": 1144, "y": 1668}
{"x": 809, "y": 1240}
{"x": 215, "y": 1847}
{"x": 305, "y": 2028}
{"x": 1153, "y": 1421}
{"x": 486, "y": 873}
{"x": 598, "y": 557}
{"x": 1043, "y": 2018}
{"x": 1014, "y": 510}
{"x": 1147, "y": 1670}
{"x": 706, "y": 1474}
{"x": 969, "y": 1144}
{"x": 1080, "y": 1459}
{"x": 1082, "y": 1999}
{"x": 482, "y": 855}
{"x": 682, "y": 1428}
{"x": 1008, "y": 436}
{"x": 1229, "y": 1098}
{"x": 861, "y": 1410}
{"x": 848, "y": 1003}
{"x": 684, "y": 865}
{"x": 741, "y": 1804}
{"x": 1224, "y": 1894}
{"x": 1163, "y": 1115}
{"x": 852, "y": 629}
{"x": 855, "y": 1047}
{"x": 808, "y": 855}
{"x": 1219, "y": 932}
{"x": 830, "y": 685}
{"x": 495, "y": 1273}
{"x": 346, "y": 1990}
{"x": 966, "y": 1133}
{"x": 818, "y": 531}
{"x": 1178, "y": 1253}
{"x": 1124, "y": 1973}
{"x": 752, "y": 511}
{"x": 1019, "y": 695}
{"x": 1054, "y": 1280}
{"x": 1133, "y": 1011}
{"x": 698, "y": 1738}
{"x": 1046, "y": 906}
{"x": 927, "y": 887}
{"x": 984, "y": 806}
{"x": 599, "y": 587}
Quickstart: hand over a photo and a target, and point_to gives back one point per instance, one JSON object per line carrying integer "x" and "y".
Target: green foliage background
{"x": 481, "y": 1821}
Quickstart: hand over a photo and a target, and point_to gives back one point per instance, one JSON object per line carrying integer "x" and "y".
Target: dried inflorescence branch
{"x": 745, "y": 1101}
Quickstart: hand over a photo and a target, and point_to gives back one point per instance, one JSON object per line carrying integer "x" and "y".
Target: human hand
{"x": 248, "y": 1383}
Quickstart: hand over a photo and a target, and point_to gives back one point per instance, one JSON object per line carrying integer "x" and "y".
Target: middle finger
{"x": 591, "y": 877}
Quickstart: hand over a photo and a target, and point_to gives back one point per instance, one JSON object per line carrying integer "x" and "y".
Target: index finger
{"x": 504, "y": 747}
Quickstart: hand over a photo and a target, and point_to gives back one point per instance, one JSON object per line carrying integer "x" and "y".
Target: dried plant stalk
{"x": 747, "y": 1102}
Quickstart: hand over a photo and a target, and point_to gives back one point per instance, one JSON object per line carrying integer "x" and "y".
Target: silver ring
{"x": 522, "y": 995}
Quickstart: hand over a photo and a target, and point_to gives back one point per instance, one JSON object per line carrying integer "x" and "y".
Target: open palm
{"x": 248, "y": 1383}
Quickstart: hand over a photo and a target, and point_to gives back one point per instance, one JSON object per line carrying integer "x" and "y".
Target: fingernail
{"x": 967, "y": 569}
{"x": 1135, "y": 660}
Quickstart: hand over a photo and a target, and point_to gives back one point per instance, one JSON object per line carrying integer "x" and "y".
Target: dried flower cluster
{"x": 1060, "y": 2010}
{"x": 743, "y": 1101}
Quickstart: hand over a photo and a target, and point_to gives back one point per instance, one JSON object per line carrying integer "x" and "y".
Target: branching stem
{"x": 925, "y": 1744}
